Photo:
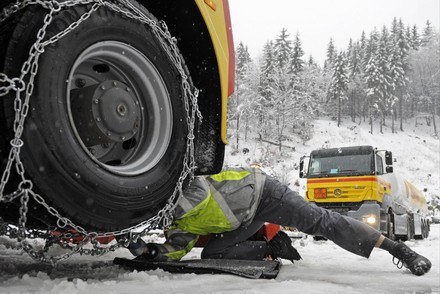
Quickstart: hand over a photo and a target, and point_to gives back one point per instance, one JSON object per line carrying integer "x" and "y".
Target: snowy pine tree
{"x": 296, "y": 62}
{"x": 330, "y": 56}
{"x": 355, "y": 87}
{"x": 311, "y": 61}
{"x": 370, "y": 48}
{"x": 408, "y": 37}
{"x": 400, "y": 45}
{"x": 243, "y": 58}
{"x": 282, "y": 49}
{"x": 251, "y": 102}
{"x": 236, "y": 109}
{"x": 339, "y": 83}
{"x": 354, "y": 59}
{"x": 398, "y": 79}
{"x": 415, "y": 38}
{"x": 281, "y": 108}
{"x": 267, "y": 69}
{"x": 379, "y": 83}
{"x": 424, "y": 80}
{"x": 363, "y": 42}
{"x": 428, "y": 33}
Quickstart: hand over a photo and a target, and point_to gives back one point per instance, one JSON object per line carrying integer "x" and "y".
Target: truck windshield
{"x": 347, "y": 164}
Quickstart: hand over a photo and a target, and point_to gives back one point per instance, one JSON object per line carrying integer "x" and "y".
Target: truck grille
{"x": 341, "y": 208}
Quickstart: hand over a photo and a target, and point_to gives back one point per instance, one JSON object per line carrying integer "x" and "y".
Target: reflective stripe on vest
{"x": 230, "y": 175}
{"x": 198, "y": 194}
{"x": 185, "y": 204}
{"x": 225, "y": 207}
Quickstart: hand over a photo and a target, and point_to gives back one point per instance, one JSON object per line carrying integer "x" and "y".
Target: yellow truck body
{"x": 217, "y": 19}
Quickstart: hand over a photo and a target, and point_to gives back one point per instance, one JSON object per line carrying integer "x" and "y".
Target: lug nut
{"x": 80, "y": 83}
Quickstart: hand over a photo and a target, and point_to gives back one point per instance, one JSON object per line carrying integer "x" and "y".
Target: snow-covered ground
{"x": 325, "y": 268}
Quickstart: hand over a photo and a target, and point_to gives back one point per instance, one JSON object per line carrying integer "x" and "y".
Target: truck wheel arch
{"x": 183, "y": 17}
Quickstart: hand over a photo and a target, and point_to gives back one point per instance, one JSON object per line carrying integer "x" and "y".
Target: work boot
{"x": 281, "y": 246}
{"x": 415, "y": 262}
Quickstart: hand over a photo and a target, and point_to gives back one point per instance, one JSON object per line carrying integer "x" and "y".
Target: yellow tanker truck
{"x": 359, "y": 182}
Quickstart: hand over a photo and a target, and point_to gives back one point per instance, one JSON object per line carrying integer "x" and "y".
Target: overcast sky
{"x": 254, "y": 22}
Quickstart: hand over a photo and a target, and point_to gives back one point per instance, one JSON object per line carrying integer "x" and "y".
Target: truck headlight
{"x": 369, "y": 219}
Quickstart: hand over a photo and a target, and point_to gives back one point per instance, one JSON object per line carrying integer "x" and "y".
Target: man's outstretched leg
{"x": 280, "y": 205}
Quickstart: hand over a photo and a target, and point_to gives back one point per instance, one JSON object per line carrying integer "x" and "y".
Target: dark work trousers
{"x": 280, "y": 205}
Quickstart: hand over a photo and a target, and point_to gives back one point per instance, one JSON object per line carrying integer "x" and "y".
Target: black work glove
{"x": 281, "y": 246}
{"x": 143, "y": 250}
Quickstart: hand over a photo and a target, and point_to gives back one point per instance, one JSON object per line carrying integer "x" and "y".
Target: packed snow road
{"x": 325, "y": 268}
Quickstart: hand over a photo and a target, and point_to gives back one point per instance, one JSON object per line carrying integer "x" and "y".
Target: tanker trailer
{"x": 409, "y": 207}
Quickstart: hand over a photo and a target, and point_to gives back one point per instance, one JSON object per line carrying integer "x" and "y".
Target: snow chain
{"x": 21, "y": 106}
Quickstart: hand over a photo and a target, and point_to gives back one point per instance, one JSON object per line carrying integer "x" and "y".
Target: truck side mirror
{"x": 388, "y": 158}
{"x": 301, "y": 167}
{"x": 389, "y": 169}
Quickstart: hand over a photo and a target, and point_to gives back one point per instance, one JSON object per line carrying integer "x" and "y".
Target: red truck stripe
{"x": 231, "y": 86}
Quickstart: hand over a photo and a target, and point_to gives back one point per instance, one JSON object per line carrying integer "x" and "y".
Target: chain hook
{"x": 25, "y": 185}
{"x": 19, "y": 85}
{"x": 54, "y": 6}
{"x": 17, "y": 143}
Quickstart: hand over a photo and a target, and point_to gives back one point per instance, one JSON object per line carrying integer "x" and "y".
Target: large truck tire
{"x": 105, "y": 137}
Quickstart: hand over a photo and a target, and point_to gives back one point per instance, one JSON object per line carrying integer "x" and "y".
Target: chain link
{"x": 23, "y": 93}
{"x": 12, "y": 9}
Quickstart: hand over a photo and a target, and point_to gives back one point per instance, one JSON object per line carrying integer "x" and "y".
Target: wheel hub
{"x": 107, "y": 112}
{"x": 118, "y": 109}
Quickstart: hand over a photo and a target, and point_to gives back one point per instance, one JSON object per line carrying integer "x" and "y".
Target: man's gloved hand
{"x": 281, "y": 246}
{"x": 143, "y": 250}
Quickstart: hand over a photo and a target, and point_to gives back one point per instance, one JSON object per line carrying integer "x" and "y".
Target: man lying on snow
{"x": 233, "y": 205}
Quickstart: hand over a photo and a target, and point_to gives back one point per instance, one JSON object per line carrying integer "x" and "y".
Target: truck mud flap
{"x": 401, "y": 224}
{"x": 252, "y": 269}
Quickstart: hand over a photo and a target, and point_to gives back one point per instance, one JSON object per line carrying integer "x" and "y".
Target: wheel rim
{"x": 119, "y": 108}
